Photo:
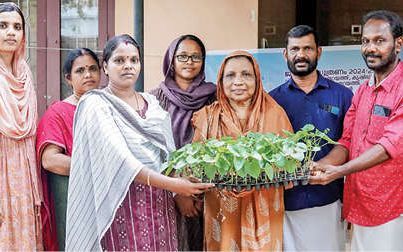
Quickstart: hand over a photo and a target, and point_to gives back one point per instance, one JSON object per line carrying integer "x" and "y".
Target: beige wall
{"x": 221, "y": 24}
{"x": 124, "y": 17}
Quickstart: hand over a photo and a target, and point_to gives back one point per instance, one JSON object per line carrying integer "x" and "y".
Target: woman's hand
{"x": 184, "y": 187}
{"x": 186, "y": 206}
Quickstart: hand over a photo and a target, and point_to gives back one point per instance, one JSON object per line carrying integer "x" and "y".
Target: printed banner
{"x": 343, "y": 64}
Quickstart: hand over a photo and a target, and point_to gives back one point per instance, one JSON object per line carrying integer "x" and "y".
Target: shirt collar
{"x": 385, "y": 83}
{"x": 320, "y": 82}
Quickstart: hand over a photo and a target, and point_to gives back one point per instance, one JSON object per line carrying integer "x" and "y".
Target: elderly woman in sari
{"x": 20, "y": 193}
{"x": 182, "y": 92}
{"x": 117, "y": 198}
{"x": 250, "y": 220}
{"x": 54, "y": 143}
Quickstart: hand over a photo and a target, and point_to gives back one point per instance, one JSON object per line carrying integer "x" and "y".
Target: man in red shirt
{"x": 370, "y": 152}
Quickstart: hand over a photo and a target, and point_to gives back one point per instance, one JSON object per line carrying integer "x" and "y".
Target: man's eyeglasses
{"x": 184, "y": 58}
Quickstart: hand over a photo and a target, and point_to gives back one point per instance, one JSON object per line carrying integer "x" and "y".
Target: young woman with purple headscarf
{"x": 183, "y": 92}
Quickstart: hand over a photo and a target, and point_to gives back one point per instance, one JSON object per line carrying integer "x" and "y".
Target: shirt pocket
{"x": 332, "y": 122}
{"x": 376, "y": 128}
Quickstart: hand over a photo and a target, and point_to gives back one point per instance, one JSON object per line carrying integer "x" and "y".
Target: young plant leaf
{"x": 210, "y": 171}
{"x": 308, "y": 127}
{"x": 239, "y": 162}
{"x": 252, "y": 168}
{"x": 290, "y": 165}
{"x": 269, "y": 171}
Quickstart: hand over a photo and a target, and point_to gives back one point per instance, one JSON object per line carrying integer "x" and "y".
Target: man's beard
{"x": 383, "y": 64}
{"x": 311, "y": 66}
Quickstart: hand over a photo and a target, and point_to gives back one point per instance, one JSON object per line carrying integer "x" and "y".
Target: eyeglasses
{"x": 184, "y": 58}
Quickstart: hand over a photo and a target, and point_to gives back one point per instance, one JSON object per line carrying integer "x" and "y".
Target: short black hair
{"x": 73, "y": 55}
{"x": 393, "y": 19}
{"x": 114, "y": 42}
{"x": 301, "y": 31}
{"x": 10, "y": 7}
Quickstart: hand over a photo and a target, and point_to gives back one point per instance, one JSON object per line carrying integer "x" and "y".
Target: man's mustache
{"x": 301, "y": 61}
{"x": 372, "y": 55}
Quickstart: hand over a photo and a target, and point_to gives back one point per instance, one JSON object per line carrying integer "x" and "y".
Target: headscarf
{"x": 220, "y": 119}
{"x": 18, "y": 114}
{"x": 181, "y": 104}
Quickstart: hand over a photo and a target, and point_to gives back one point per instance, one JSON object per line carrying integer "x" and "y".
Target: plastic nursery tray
{"x": 300, "y": 177}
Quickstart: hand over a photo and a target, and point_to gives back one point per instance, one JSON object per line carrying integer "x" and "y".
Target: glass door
{"x": 78, "y": 28}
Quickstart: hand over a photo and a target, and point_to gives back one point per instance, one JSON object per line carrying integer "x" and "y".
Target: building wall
{"x": 124, "y": 17}
{"x": 336, "y": 17}
{"x": 272, "y": 26}
{"x": 223, "y": 24}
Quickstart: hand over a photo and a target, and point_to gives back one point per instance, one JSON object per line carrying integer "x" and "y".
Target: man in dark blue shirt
{"x": 313, "y": 212}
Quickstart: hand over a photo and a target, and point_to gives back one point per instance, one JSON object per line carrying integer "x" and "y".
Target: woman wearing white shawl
{"x": 116, "y": 197}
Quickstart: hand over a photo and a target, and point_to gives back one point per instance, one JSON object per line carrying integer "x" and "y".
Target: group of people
{"x": 108, "y": 146}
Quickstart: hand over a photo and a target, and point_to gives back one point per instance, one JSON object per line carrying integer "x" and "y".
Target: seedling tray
{"x": 236, "y": 183}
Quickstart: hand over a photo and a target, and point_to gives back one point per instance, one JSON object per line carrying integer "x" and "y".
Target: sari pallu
{"x": 55, "y": 127}
{"x": 248, "y": 220}
{"x": 111, "y": 145}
